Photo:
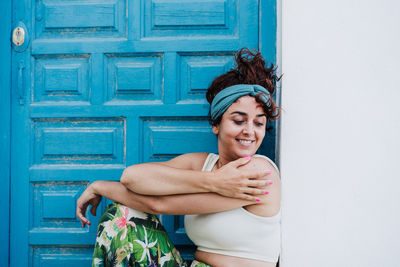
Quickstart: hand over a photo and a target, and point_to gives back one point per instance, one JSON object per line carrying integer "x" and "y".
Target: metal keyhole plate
{"x": 18, "y": 36}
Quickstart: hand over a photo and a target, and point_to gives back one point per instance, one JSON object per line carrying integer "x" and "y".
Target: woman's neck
{"x": 222, "y": 160}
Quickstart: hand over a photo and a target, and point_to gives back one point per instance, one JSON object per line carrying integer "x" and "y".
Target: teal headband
{"x": 227, "y": 96}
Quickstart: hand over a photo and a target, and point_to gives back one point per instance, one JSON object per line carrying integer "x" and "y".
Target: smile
{"x": 245, "y": 142}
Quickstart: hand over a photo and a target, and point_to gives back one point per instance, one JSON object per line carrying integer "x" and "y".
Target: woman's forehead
{"x": 246, "y": 103}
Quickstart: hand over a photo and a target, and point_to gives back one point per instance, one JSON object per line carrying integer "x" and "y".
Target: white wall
{"x": 340, "y": 133}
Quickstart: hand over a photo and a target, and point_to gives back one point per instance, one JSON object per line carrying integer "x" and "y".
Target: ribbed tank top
{"x": 236, "y": 232}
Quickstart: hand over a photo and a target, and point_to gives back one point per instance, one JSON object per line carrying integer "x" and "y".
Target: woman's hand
{"x": 231, "y": 181}
{"x": 88, "y": 197}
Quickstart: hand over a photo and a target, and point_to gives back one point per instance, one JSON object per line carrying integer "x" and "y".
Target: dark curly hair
{"x": 249, "y": 69}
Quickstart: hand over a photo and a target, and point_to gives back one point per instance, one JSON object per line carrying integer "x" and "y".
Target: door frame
{"x": 267, "y": 43}
{"x": 268, "y": 46}
{"x": 5, "y": 129}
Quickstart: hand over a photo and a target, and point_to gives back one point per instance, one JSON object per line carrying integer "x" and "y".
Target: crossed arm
{"x": 162, "y": 188}
{"x": 181, "y": 176}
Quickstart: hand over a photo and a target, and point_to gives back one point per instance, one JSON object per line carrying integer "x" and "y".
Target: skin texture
{"x": 240, "y": 134}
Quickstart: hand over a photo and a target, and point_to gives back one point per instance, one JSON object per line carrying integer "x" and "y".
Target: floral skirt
{"x": 127, "y": 237}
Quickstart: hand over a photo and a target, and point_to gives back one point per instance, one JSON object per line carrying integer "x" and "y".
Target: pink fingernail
{"x": 269, "y": 172}
{"x": 271, "y": 182}
{"x": 257, "y": 199}
{"x": 247, "y": 157}
{"x": 266, "y": 192}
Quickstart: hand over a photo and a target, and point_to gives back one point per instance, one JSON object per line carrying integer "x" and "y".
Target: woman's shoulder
{"x": 198, "y": 160}
{"x": 265, "y": 161}
{"x": 193, "y": 161}
{"x": 270, "y": 202}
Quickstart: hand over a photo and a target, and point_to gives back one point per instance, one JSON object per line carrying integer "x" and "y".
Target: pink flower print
{"x": 123, "y": 221}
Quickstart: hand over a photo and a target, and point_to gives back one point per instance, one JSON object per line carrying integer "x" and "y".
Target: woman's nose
{"x": 248, "y": 129}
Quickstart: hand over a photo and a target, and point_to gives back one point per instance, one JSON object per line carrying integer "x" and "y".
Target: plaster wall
{"x": 340, "y": 133}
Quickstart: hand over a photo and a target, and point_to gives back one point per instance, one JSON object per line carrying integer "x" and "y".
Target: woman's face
{"x": 242, "y": 129}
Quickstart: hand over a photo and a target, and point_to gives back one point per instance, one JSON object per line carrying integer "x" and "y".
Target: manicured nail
{"x": 269, "y": 172}
{"x": 266, "y": 192}
{"x": 257, "y": 199}
{"x": 88, "y": 223}
{"x": 247, "y": 157}
{"x": 271, "y": 182}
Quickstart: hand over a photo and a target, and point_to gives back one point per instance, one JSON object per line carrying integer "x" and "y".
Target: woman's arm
{"x": 266, "y": 204}
{"x": 183, "y": 175}
{"x": 197, "y": 203}
{"x": 114, "y": 191}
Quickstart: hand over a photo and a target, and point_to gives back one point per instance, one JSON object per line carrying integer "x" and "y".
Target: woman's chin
{"x": 245, "y": 153}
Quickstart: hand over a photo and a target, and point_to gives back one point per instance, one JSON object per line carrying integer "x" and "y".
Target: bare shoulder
{"x": 264, "y": 163}
{"x": 189, "y": 161}
{"x": 270, "y": 202}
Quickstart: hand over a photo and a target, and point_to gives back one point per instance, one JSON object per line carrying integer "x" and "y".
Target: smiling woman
{"x": 231, "y": 200}
{"x": 241, "y": 129}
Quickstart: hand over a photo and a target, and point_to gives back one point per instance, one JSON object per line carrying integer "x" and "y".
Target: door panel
{"x": 102, "y": 85}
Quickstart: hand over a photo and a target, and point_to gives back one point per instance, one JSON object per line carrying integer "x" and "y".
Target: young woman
{"x": 231, "y": 200}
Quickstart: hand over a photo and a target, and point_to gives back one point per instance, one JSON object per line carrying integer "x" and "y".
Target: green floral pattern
{"x": 127, "y": 237}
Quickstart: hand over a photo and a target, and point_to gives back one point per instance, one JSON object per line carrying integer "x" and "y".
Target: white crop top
{"x": 236, "y": 232}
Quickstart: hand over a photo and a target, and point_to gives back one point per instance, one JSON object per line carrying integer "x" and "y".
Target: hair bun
{"x": 252, "y": 70}
{"x": 249, "y": 69}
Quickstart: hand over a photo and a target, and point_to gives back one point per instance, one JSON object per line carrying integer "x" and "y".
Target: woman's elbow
{"x": 127, "y": 178}
{"x": 155, "y": 205}
{"x": 164, "y": 205}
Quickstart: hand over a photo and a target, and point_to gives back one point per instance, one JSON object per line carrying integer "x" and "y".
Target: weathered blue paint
{"x": 268, "y": 46}
{"x": 5, "y": 108}
{"x": 268, "y": 29}
{"x": 100, "y": 92}
{"x": 20, "y": 156}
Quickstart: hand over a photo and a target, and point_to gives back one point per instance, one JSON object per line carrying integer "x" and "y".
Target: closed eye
{"x": 238, "y": 122}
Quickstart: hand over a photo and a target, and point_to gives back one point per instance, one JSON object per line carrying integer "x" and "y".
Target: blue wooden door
{"x": 99, "y": 85}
